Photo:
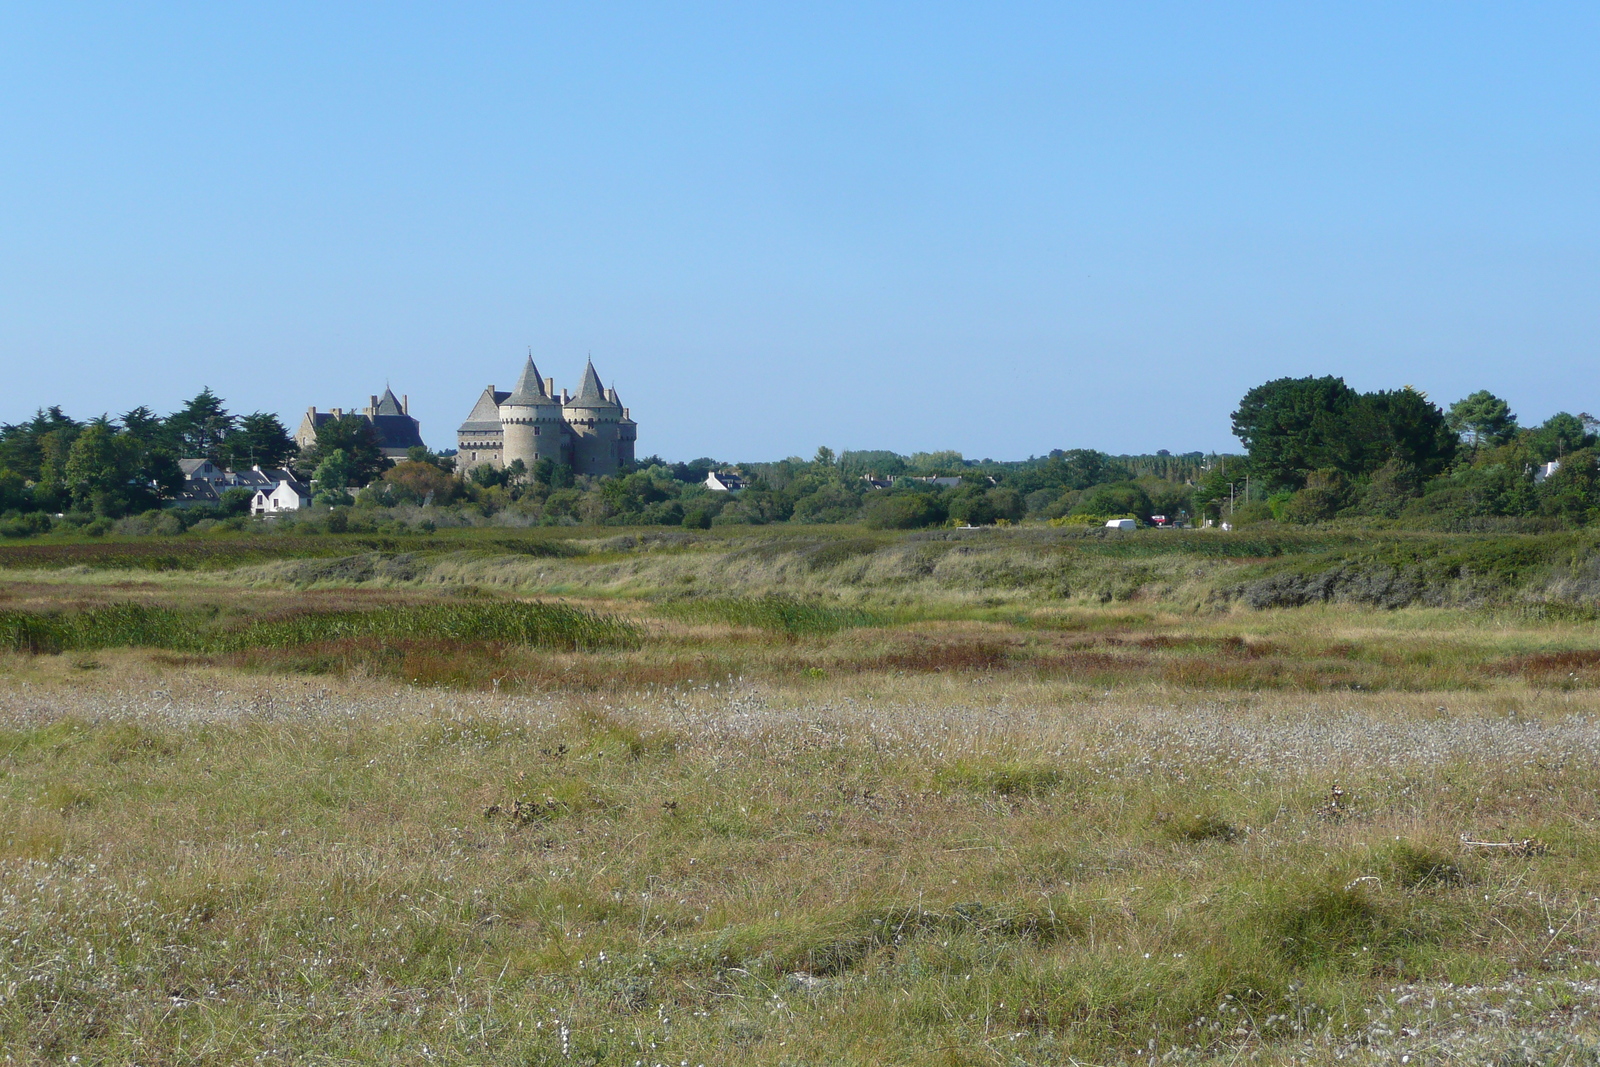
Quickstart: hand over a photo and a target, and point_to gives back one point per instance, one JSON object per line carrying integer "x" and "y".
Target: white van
{"x": 1121, "y": 524}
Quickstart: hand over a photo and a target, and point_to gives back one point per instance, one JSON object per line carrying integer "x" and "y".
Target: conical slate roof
{"x": 591, "y": 394}
{"x": 529, "y": 390}
{"x": 389, "y": 404}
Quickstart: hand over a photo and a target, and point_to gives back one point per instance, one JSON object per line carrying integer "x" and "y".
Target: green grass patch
{"x": 537, "y": 625}
{"x": 783, "y": 614}
{"x": 1001, "y": 779}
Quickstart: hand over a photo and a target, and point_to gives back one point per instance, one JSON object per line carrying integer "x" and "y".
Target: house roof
{"x": 268, "y": 476}
{"x": 199, "y": 491}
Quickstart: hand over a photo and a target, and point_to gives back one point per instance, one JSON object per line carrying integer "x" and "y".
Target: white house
{"x": 724, "y": 482}
{"x": 1545, "y": 470}
{"x": 287, "y": 495}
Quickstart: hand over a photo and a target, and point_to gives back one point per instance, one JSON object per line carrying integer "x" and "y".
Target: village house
{"x": 287, "y": 495}
{"x": 724, "y": 482}
{"x": 204, "y": 482}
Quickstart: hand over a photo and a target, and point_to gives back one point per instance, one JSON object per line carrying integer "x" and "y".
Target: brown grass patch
{"x": 1566, "y": 662}
{"x": 941, "y": 656}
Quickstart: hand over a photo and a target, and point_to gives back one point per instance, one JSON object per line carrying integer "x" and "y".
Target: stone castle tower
{"x": 592, "y": 432}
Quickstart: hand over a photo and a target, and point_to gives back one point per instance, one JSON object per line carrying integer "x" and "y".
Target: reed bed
{"x": 112, "y": 626}
{"x": 536, "y": 625}
{"x": 786, "y": 615}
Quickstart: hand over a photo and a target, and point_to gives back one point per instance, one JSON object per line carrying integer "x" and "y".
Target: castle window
{"x": 536, "y": 431}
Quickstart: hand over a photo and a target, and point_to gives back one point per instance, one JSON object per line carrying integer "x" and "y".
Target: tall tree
{"x": 201, "y": 426}
{"x": 101, "y": 470}
{"x": 1483, "y": 419}
{"x": 1559, "y": 434}
{"x": 52, "y": 490}
{"x": 357, "y": 439}
{"x": 1292, "y": 426}
{"x": 144, "y": 425}
{"x": 1398, "y": 424}
{"x": 332, "y": 478}
{"x": 260, "y": 440}
{"x": 22, "y": 445}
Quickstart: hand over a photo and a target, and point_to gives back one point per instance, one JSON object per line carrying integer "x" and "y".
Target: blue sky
{"x": 996, "y": 228}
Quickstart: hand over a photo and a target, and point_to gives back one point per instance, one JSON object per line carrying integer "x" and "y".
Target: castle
{"x": 590, "y": 432}
{"x": 389, "y": 415}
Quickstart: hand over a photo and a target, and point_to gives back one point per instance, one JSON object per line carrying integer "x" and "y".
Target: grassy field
{"x": 800, "y": 797}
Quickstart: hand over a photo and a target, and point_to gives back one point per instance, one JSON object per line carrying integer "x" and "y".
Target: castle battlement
{"x": 591, "y": 432}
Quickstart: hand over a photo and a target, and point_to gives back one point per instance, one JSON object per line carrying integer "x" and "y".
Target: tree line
{"x": 109, "y": 467}
{"x": 106, "y": 468}
{"x": 1318, "y": 450}
{"x": 1314, "y": 450}
{"x": 56, "y": 470}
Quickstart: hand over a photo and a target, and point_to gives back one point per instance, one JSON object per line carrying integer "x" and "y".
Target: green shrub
{"x": 902, "y": 511}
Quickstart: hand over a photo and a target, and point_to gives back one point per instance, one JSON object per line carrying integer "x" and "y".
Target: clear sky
{"x": 999, "y": 228}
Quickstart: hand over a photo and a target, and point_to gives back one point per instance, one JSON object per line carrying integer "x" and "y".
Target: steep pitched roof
{"x": 397, "y": 433}
{"x": 529, "y": 390}
{"x": 389, "y": 404}
{"x": 485, "y": 416}
{"x": 591, "y": 383}
{"x": 591, "y": 394}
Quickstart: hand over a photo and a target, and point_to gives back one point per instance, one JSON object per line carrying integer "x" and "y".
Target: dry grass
{"x": 797, "y": 831}
{"x": 947, "y": 869}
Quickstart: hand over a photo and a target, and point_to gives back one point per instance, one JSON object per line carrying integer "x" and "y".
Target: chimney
{"x": 550, "y": 388}
{"x": 625, "y": 414}
{"x": 312, "y": 412}
{"x": 611, "y": 394}
{"x": 565, "y": 396}
{"x": 373, "y": 406}
{"x": 405, "y": 403}
{"x": 338, "y": 413}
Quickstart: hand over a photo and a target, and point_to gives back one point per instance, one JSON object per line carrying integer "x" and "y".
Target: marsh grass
{"x": 742, "y": 879}
{"x": 922, "y": 805}
{"x": 536, "y": 625}
{"x": 783, "y": 614}
{"x": 131, "y": 625}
